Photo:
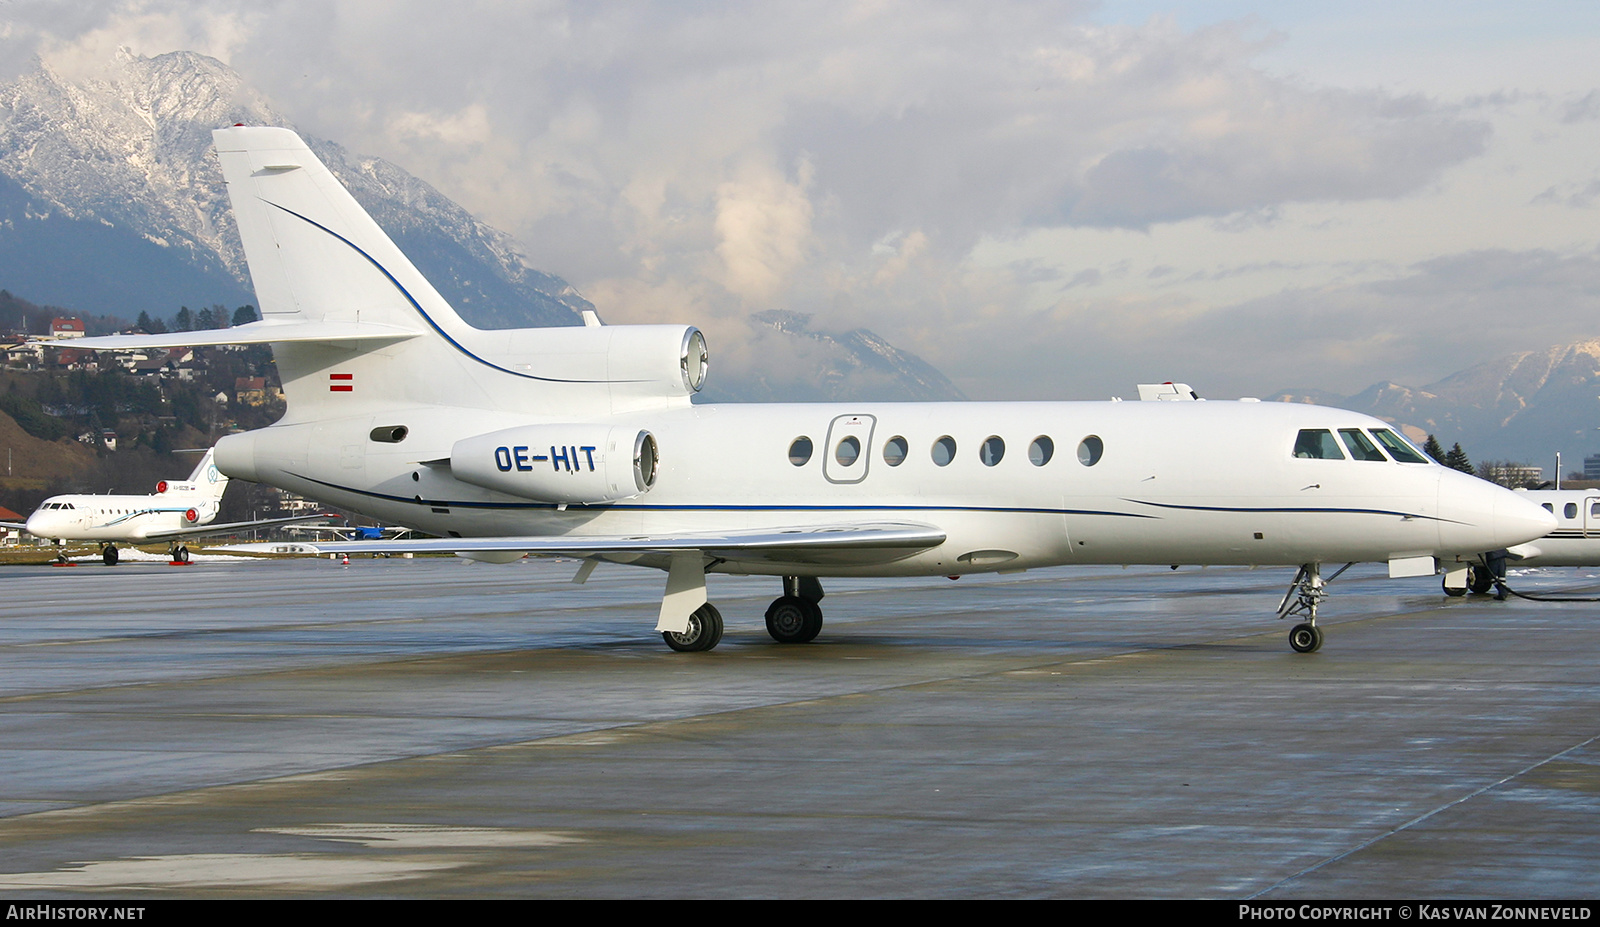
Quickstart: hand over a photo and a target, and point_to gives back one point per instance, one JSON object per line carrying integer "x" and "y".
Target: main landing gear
{"x": 1487, "y": 575}
{"x": 108, "y": 554}
{"x": 795, "y": 617}
{"x": 792, "y": 618}
{"x": 1479, "y": 582}
{"x": 178, "y": 552}
{"x": 1304, "y": 595}
{"x": 705, "y": 631}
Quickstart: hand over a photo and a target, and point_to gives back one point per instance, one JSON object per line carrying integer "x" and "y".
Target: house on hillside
{"x": 11, "y": 536}
{"x": 67, "y": 328}
{"x": 18, "y": 352}
{"x": 253, "y": 391}
{"x": 72, "y": 359}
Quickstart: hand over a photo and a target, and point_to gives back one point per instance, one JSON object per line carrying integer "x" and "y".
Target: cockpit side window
{"x": 1399, "y": 448}
{"x": 1318, "y": 444}
{"x": 1361, "y": 446}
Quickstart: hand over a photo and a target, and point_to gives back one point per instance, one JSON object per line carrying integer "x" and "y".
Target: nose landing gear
{"x": 1304, "y": 595}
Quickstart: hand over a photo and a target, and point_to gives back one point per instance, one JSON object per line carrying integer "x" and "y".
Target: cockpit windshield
{"x": 1320, "y": 444}
{"x": 1361, "y": 446}
{"x": 1399, "y": 448}
{"x": 1317, "y": 444}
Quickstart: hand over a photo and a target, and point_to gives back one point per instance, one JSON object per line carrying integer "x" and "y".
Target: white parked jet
{"x": 584, "y": 441}
{"x": 176, "y": 512}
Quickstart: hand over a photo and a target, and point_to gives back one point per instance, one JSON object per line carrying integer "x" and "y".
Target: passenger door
{"x": 848, "y": 451}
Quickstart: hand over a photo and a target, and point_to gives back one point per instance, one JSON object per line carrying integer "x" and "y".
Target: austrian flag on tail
{"x": 341, "y": 382}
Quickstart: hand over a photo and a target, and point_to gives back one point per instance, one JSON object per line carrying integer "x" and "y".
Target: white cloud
{"x": 1025, "y": 193}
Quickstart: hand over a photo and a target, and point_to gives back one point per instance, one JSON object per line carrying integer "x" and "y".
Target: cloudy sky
{"x": 1044, "y": 199}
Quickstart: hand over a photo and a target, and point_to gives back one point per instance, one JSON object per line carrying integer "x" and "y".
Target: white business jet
{"x": 177, "y": 512}
{"x": 584, "y": 441}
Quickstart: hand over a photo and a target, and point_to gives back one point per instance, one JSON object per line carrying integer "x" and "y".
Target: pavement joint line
{"x": 1421, "y": 818}
{"x": 625, "y": 728}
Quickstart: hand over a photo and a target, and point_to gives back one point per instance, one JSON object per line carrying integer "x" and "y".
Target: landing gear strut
{"x": 1304, "y": 595}
{"x": 795, "y": 617}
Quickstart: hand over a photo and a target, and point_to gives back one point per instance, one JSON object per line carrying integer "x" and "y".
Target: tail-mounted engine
{"x": 562, "y": 464}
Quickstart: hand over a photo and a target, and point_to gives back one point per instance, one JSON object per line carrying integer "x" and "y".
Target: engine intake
{"x": 577, "y": 464}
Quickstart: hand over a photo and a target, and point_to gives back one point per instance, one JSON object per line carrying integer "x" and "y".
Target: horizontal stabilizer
{"x": 797, "y": 544}
{"x": 267, "y": 332}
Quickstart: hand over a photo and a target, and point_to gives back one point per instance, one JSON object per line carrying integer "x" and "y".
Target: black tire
{"x": 793, "y": 620}
{"x": 705, "y": 631}
{"x": 183, "y": 555}
{"x": 813, "y": 622}
{"x": 1305, "y": 638}
{"x": 1479, "y": 580}
{"x": 109, "y": 555}
{"x": 787, "y": 618}
{"x": 1452, "y": 592}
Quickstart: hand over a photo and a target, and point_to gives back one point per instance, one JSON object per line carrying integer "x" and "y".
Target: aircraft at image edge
{"x": 178, "y": 511}
{"x": 584, "y": 441}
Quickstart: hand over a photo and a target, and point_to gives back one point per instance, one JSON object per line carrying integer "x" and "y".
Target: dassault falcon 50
{"x": 177, "y": 512}
{"x": 586, "y": 441}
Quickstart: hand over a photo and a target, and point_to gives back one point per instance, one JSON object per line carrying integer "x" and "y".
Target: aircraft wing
{"x": 808, "y": 544}
{"x": 204, "y": 531}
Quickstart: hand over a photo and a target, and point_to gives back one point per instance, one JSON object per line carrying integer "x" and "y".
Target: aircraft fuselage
{"x": 81, "y": 517}
{"x": 1124, "y": 482}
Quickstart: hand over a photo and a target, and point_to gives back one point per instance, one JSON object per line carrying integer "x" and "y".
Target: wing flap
{"x": 798, "y": 544}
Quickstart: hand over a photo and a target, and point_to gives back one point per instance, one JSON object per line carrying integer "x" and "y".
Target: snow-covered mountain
{"x": 111, "y": 200}
{"x": 1524, "y": 406}
{"x": 853, "y": 365}
{"x": 112, "y": 203}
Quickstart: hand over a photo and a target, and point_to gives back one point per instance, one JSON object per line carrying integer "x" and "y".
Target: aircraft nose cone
{"x": 1518, "y": 521}
{"x": 1478, "y": 516}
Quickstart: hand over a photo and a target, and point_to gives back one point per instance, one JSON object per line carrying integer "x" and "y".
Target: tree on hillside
{"x": 1432, "y": 449}
{"x": 1456, "y": 459}
{"x": 183, "y": 321}
{"x": 244, "y": 315}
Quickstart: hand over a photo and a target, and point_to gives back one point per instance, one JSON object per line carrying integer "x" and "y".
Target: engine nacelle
{"x": 575, "y": 464}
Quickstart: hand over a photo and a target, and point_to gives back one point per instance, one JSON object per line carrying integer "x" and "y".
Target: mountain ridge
{"x": 1523, "y": 405}
{"x": 112, "y": 203}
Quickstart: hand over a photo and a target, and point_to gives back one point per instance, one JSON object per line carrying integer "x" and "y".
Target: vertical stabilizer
{"x": 314, "y": 253}
{"x": 318, "y": 260}
{"x": 207, "y": 480}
